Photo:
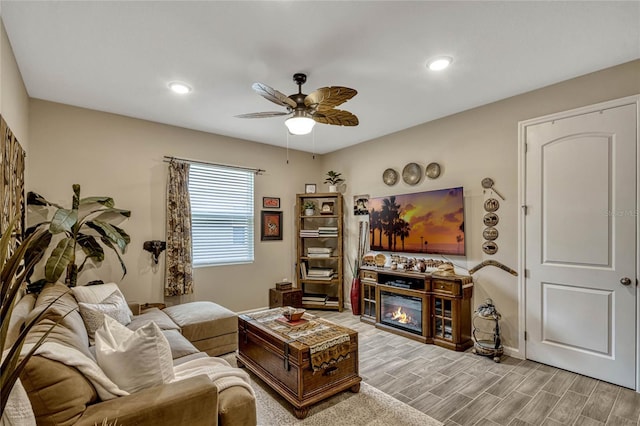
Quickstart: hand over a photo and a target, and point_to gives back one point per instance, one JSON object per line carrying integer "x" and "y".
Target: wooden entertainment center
{"x": 421, "y": 306}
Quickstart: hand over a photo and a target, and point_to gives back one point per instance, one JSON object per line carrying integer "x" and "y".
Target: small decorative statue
{"x": 155, "y": 247}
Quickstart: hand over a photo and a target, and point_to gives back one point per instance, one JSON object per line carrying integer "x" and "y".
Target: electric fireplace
{"x": 401, "y": 311}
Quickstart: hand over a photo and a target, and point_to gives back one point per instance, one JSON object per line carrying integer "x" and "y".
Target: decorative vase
{"x": 333, "y": 188}
{"x": 308, "y": 212}
{"x": 355, "y": 296}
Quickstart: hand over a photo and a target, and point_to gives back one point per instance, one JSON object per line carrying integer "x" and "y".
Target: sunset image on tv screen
{"x": 429, "y": 222}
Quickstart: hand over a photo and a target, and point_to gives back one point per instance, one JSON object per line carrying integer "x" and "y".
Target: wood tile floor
{"x": 466, "y": 389}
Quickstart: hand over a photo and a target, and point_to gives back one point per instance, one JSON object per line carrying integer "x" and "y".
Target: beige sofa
{"x": 61, "y": 395}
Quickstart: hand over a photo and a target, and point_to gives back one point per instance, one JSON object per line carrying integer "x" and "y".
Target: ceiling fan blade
{"x": 265, "y": 114}
{"x": 337, "y": 117}
{"x": 329, "y": 97}
{"x": 273, "y": 95}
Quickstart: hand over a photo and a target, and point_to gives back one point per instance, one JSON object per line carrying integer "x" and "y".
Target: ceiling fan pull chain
{"x": 287, "y": 146}
{"x": 313, "y": 138}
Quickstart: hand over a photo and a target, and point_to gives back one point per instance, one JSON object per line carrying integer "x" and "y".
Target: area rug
{"x": 369, "y": 407}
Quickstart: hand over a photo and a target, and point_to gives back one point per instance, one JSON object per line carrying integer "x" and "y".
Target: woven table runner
{"x": 328, "y": 343}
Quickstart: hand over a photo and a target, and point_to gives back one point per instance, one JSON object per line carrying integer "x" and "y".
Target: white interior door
{"x": 580, "y": 230}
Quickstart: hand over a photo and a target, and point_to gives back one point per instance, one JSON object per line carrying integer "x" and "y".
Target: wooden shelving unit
{"x": 316, "y": 232}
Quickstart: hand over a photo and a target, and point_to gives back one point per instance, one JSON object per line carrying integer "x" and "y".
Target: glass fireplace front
{"x": 400, "y": 311}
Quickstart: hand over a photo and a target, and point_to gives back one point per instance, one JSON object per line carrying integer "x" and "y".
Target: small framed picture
{"x": 270, "y": 203}
{"x": 270, "y": 225}
{"x": 310, "y": 188}
{"x": 361, "y": 204}
{"x": 327, "y": 207}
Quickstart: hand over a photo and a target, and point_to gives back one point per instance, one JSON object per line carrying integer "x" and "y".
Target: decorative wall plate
{"x": 490, "y": 247}
{"x": 490, "y": 233}
{"x": 491, "y": 205}
{"x": 390, "y": 177}
{"x": 412, "y": 173}
{"x": 433, "y": 170}
{"x": 491, "y": 219}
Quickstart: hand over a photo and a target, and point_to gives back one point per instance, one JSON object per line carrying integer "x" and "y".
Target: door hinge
{"x": 526, "y": 273}
{"x": 526, "y": 336}
{"x": 524, "y": 208}
{"x": 526, "y": 147}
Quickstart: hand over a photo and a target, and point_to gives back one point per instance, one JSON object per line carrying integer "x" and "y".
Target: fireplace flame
{"x": 400, "y": 316}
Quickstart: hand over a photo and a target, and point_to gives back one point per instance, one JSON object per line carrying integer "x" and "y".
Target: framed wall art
{"x": 270, "y": 225}
{"x": 310, "y": 188}
{"x": 270, "y": 203}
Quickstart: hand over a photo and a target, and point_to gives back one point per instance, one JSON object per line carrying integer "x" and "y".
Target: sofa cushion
{"x": 203, "y": 320}
{"x": 70, "y": 330}
{"x": 18, "y": 317}
{"x": 93, "y": 313}
{"x": 179, "y": 344}
{"x": 58, "y": 394}
{"x": 155, "y": 315}
{"x": 97, "y": 294}
{"x": 134, "y": 360}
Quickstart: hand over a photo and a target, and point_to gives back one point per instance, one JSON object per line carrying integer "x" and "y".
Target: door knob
{"x": 625, "y": 281}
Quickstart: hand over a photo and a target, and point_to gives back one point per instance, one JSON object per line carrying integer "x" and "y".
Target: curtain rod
{"x": 168, "y": 159}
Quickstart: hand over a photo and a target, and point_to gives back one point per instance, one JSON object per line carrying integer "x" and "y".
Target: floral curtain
{"x": 12, "y": 178}
{"x": 179, "y": 277}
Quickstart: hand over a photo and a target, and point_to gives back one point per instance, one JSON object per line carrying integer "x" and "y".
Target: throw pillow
{"x": 93, "y": 313}
{"x": 97, "y": 294}
{"x": 133, "y": 360}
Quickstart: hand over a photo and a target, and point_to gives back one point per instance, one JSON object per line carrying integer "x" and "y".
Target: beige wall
{"x": 472, "y": 145}
{"x": 14, "y": 101}
{"x": 123, "y": 157}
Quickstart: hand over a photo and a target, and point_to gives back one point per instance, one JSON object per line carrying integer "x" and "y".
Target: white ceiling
{"x": 119, "y": 56}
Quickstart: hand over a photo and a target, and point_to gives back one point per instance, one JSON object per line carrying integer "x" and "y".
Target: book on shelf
{"x": 320, "y": 272}
{"x": 327, "y": 278}
{"x": 319, "y": 250}
{"x": 331, "y": 301}
{"x": 303, "y": 270}
{"x": 314, "y": 298}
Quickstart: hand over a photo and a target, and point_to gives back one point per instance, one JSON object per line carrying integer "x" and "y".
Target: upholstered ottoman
{"x": 210, "y": 327}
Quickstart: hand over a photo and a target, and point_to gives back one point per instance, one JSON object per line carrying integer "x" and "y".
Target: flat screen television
{"x": 430, "y": 222}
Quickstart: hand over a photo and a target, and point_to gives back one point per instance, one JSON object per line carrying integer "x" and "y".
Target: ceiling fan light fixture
{"x": 179, "y": 87}
{"x": 439, "y": 63}
{"x": 300, "y": 123}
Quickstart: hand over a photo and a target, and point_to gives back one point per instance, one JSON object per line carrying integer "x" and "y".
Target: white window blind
{"x": 221, "y": 215}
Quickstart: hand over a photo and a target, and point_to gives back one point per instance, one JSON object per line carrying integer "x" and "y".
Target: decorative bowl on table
{"x": 293, "y": 314}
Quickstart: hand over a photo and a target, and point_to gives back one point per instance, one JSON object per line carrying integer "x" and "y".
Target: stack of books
{"x": 325, "y": 274}
{"x": 319, "y": 251}
{"x": 331, "y": 301}
{"x": 316, "y": 299}
{"x": 328, "y": 231}
{"x": 309, "y": 233}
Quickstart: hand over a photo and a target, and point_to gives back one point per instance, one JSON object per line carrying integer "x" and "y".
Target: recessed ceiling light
{"x": 439, "y": 63}
{"x": 179, "y": 87}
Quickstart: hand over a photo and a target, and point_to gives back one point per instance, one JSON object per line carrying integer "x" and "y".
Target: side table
{"x": 146, "y": 306}
{"x": 279, "y": 298}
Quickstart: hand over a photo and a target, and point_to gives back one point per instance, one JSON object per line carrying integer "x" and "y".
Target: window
{"x": 221, "y": 215}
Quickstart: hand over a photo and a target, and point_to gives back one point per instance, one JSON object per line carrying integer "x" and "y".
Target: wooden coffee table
{"x": 285, "y": 364}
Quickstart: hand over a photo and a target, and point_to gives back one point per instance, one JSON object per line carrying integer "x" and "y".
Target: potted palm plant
{"x": 333, "y": 179}
{"x": 84, "y": 227}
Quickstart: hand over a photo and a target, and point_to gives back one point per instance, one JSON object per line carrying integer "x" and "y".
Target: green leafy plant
{"x": 309, "y": 205}
{"x": 83, "y": 227}
{"x": 15, "y": 270}
{"x": 333, "y": 178}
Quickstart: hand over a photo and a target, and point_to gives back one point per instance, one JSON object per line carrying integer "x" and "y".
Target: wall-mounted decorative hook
{"x": 155, "y": 247}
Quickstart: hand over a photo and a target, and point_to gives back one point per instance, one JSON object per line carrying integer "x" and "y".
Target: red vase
{"x": 355, "y": 296}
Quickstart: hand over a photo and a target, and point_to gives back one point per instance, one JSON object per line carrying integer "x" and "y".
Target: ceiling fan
{"x": 306, "y": 110}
